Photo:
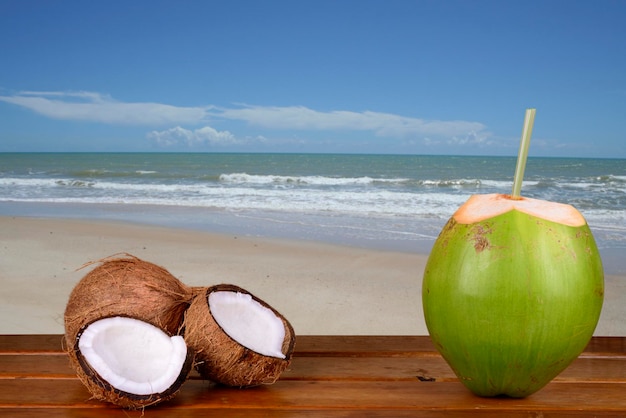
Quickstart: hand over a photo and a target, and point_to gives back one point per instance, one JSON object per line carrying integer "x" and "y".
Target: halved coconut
{"x": 239, "y": 340}
{"x": 127, "y": 286}
{"x": 129, "y": 362}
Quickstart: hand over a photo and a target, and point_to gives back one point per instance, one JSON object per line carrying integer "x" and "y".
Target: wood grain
{"x": 330, "y": 376}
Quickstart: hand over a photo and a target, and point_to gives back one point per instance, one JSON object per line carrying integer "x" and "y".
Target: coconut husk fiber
{"x": 127, "y": 286}
{"x": 223, "y": 360}
{"x": 102, "y": 390}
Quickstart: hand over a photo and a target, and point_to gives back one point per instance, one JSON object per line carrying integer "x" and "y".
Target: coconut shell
{"x": 222, "y": 359}
{"x": 102, "y": 390}
{"x": 127, "y": 286}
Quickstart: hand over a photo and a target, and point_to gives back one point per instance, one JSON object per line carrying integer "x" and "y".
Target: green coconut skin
{"x": 512, "y": 300}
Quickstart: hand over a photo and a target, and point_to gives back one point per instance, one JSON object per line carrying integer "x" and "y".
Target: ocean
{"x": 396, "y": 202}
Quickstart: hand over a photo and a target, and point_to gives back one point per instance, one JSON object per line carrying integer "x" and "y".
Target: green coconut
{"x": 512, "y": 292}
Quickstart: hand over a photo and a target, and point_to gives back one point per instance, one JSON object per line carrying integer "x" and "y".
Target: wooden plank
{"x": 312, "y": 396}
{"x": 164, "y": 412}
{"x": 589, "y": 369}
{"x": 301, "y": 368}
{"x": 306, "y": 344}
{"x": 27, "y": 343}
{"x": 433, "y": 369}
{"x": 595, "y": 369}
{"x": 606, "y": 346}
{"x": 314, "y": 345}
{"x": 35, "y": 366}
{"x": 356, "y": 345}
{"x": 332, "y": 368}
{"x": 421, "y": 396}
{"x": 329, "y": 377}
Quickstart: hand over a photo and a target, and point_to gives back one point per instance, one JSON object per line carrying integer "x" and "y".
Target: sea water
{"x": 397, "y": 202}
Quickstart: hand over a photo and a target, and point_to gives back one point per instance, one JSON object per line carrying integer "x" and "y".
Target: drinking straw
{"x": 522, "y": 154}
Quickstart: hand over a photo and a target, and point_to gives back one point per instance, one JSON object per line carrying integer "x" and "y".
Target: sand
{"x": 321, "y": 288}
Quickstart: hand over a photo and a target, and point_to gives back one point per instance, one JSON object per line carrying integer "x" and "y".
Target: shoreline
{"x": 320, "y": 288}
{"x": 398, "y": 235}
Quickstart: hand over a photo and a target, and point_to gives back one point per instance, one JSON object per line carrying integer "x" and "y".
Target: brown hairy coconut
{"x": 127, "y": 286}
{"x": 129, "y": 362}
{"x": 239, "y": 340}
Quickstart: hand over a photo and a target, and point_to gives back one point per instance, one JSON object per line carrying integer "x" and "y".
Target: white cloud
{"x": 383, "y": 124}
{"x": 192, "y": 138}
{"x": 95, "y": 107}
{"x": 471, "y": 138}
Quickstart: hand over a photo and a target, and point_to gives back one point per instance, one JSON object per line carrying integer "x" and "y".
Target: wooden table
{"x": 330, "y": 376}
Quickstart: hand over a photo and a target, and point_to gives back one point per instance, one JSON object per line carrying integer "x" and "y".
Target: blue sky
{"x": 417, "y": 77}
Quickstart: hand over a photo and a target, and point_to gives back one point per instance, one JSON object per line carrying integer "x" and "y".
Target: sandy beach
{"x": 321, "y": 288}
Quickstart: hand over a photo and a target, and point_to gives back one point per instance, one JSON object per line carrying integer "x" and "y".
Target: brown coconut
{"x": 127, "y": 286}
{"x": 223, "y": 360}
{"x": 102, "y": 390}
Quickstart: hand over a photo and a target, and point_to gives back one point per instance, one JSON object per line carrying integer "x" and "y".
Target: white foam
{"x": 244, "y": 178}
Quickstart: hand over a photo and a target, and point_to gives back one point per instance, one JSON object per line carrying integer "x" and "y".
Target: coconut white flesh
{"x": 133, "y": 356}
{"x": 248, "y": 322}
{"x": 484, "y": 206}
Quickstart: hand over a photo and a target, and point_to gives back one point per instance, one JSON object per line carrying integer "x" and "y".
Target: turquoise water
{"x": 384, "y": 201}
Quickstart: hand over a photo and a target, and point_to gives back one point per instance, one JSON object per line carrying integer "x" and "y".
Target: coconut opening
{"x": 133, "y": 356}
{"x": 248, "y": 322}
{"x": 484, "y": 206}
